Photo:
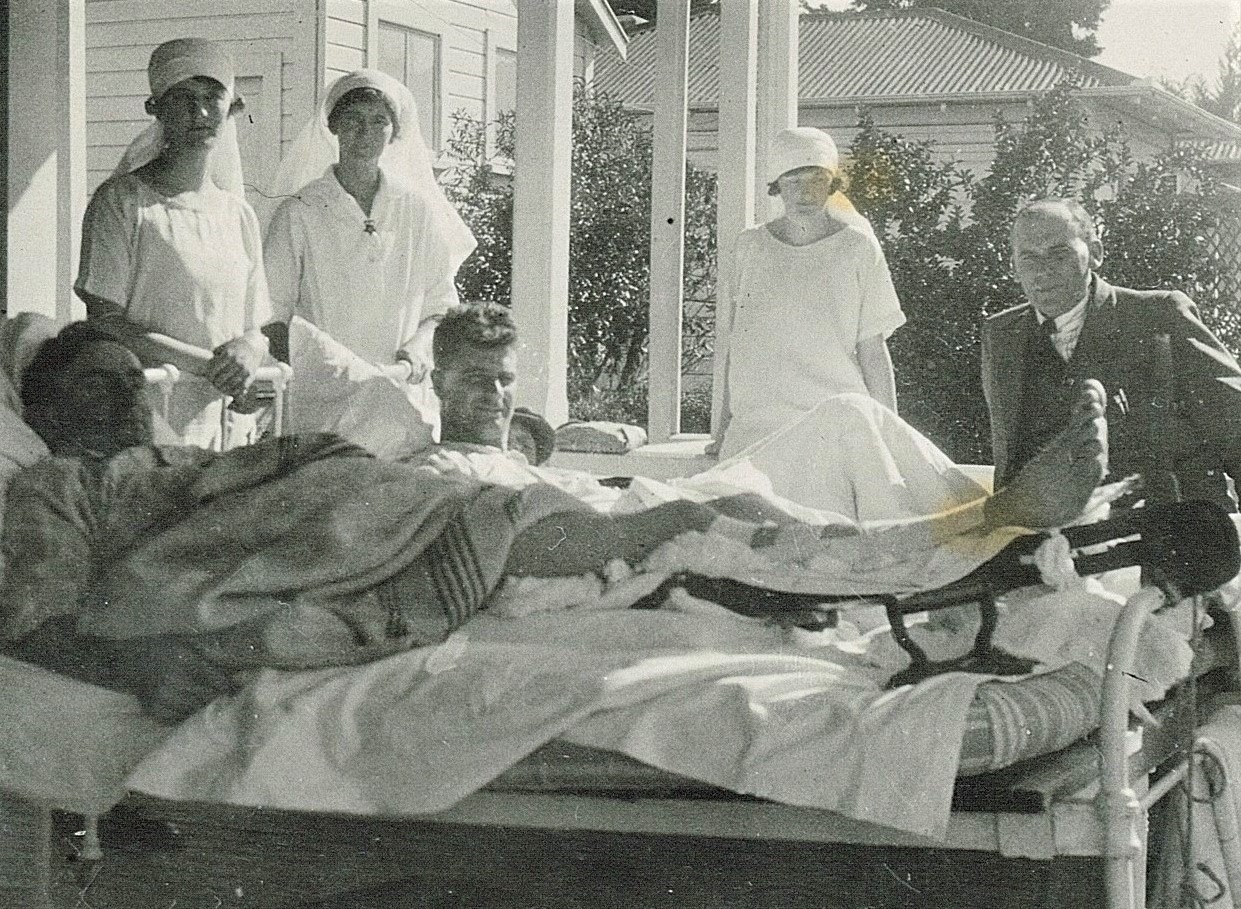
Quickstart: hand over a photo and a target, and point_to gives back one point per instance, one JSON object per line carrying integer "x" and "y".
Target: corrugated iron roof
{"x": 901, "y": 53}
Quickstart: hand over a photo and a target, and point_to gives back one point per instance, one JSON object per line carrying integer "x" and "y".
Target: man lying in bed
{"x": 163, "y": 571}
{"x": 865, "y": 463}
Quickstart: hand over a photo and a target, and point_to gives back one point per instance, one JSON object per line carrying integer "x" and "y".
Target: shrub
{"x": 609, "y": 245}
{"x": 944, "y": 232}
{"x": 950, "y": 270}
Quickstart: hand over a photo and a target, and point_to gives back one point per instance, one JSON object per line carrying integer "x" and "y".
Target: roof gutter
{"x": 1137, "y": 93}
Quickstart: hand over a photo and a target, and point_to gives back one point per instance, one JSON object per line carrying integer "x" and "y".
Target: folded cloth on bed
{"x": 339, "y": 392}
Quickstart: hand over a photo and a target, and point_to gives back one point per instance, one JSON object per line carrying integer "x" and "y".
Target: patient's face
{"x": 476, "y": 395}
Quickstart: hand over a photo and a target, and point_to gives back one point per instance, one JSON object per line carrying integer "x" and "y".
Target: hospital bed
{"x": 575, "y": 826}
{"x": 578, "y": 826}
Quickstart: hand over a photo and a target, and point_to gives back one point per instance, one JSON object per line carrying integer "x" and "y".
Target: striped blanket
{"x": 300, "y": 552}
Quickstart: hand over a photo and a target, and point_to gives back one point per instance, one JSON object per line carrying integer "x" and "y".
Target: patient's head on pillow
{"x": 83, "y": 393}
{"x": 475, "y": 374}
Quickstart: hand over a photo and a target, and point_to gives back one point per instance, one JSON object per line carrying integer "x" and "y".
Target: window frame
{"x": 494, "y": 47}
{"x": 419, "y": 19}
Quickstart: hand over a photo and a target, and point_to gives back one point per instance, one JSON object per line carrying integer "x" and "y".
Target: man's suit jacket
{"x": 1199, "y": 433}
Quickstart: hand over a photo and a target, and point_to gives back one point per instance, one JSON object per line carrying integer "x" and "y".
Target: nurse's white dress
{"x": 189, "y": 266}
{"x": 798, "y": 313}
{"x": 367, "y": 281}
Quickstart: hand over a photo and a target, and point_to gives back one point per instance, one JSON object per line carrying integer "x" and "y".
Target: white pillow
{"x": 335, "y": 390}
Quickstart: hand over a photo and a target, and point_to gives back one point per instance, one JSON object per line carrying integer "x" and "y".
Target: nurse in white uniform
{"x": 365, "y": 245}
{"x": 171, "y": 252}
{"x": 811, "y": 303}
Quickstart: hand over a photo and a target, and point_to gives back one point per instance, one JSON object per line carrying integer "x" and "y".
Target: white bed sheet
{"x": 798, "y": 718}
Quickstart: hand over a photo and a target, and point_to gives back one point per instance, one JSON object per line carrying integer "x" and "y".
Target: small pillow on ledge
{"x": 600, "y": 437}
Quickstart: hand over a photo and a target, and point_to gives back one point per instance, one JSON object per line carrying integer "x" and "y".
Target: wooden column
{"x": 46, "y": 161}
{"x": 541, "y": 203}
{"x": 738, "y": 75}
{"x": 71, "y": 155}
{"x": 668, "y": 220}
{"x": 777, "y": 90}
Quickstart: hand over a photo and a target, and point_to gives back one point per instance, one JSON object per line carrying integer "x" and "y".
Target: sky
{"x": 1159, "y": 39}
{"x": 1167, "y": 39}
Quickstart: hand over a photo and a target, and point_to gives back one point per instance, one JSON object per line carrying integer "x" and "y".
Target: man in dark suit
{"x": 1173, "y": 390}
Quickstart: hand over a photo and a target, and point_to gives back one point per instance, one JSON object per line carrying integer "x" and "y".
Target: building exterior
{"x": 922, "y": 73}
{"x": 455, "y": 55}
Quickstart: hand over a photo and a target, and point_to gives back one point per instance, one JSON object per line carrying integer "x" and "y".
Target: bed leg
{"x": 1120, "y": 812}
{"x": 92, "y": 848}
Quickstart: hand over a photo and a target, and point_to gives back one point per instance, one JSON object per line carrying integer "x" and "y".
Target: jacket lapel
{"x": 1099, "y": 331}
{"x": 1008, "y": 359}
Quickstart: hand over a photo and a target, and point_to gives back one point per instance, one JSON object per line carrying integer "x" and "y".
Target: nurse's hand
{"x": 233, "y": 365}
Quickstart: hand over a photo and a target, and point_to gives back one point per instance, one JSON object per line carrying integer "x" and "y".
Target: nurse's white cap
{"x": 184, "y": 58}
{"x": 802, "y": 146}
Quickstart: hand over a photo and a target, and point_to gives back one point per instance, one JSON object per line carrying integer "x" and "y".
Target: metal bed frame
{"x": 276, "y": 379}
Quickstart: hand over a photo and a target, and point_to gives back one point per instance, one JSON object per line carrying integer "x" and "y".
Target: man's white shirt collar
{"x": 1068, "y": 328}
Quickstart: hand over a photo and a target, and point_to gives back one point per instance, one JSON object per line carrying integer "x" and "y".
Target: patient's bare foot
{"x": 1053, "y": 488}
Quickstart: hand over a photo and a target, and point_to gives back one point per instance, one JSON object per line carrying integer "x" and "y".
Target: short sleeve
{"x": 282, "y": 262}
{"x": 109, "y": 229}
{"x": 258, "y": 311}
{"x": 880, "y": 309}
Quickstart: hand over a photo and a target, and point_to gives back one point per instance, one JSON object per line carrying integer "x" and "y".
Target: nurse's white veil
{"x": 406, "y": 162}
{"x": 173, "y": 62}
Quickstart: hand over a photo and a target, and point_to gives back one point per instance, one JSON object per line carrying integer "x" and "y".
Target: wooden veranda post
{"x": 541, "y": 203}
{"x": 735, "y": 212}
{"x": 668, "y": 220}
{"x": 45, "y": 169}
{"x": 777, "y": 90}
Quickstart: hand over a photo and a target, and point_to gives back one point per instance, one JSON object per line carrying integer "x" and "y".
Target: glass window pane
{"x": 392, "y": 51}
{"x": 413, "y": 57}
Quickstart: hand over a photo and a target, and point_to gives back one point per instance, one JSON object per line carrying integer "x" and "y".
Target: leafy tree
{"x": 485, "y": 200}
{"x": 609, "y": 244}
{"x": 1067, "y": 24}
{"x": 944, "y": 232}
{"x": 1223, "y": 97}
{"x": 914, "y": 203}
{"x": 648, "y": 9}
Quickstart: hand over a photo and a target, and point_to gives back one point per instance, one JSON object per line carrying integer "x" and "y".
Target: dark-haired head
{"x": 361, "y": 96}
{"x": 472, "y": 325}
{"x": 84, "y": 394}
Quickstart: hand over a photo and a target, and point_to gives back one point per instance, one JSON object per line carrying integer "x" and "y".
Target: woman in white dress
{"x": 810, "y": 305}
{"x": 365, "y": 245}
{"x": 171, "y": 260}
